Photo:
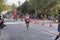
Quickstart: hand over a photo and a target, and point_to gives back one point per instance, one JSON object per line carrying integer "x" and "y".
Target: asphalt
{"x": 17, "y": 31}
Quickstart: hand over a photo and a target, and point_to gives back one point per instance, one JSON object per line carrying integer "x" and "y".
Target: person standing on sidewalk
{"x": 1, "y": 24}
{"x": 58, "y": 25}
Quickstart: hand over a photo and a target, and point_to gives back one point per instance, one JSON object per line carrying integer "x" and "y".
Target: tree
{"x": 42, "y": 5}
{"x": 24, "y": 8}
{"x": 3, "y": 6}
{"x": 13, "y": 6}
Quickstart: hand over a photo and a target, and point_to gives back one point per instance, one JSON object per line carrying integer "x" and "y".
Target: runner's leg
{"x": 57, "y": 36}
{"x": 27, "y": 25}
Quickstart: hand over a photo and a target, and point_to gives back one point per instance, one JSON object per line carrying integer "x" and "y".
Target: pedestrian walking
{"x": 58, "y": 25}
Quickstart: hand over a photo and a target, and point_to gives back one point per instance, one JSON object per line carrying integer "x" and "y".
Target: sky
{"x": 10, "y": 2}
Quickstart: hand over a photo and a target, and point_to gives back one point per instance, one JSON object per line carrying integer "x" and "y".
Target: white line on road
{"x": 48, "y": 33}
{"x": 13, "y": 22}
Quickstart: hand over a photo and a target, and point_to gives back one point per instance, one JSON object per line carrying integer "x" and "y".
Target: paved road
{"x": 16, "y": 30}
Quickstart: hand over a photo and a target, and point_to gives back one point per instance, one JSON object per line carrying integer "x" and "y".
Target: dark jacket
{"x": 2, "y": 23}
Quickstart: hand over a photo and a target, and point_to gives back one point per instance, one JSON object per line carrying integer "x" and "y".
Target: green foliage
{"x": 42, "y": 5}
{"x": 3, "y": 6}
{"x": 13, "y": 6}
{"x": 24, "y": 8}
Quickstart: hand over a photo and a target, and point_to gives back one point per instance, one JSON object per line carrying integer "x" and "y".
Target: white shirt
{"x": 27, "y": 17}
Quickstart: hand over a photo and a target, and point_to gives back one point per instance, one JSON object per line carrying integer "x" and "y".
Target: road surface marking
{"x": 13, "y": 22}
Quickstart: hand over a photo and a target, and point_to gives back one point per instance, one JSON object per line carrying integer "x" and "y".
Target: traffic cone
{"x": 50, "y": 23}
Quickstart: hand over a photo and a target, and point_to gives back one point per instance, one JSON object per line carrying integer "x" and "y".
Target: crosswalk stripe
{"x": 13, "y": 22}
